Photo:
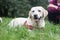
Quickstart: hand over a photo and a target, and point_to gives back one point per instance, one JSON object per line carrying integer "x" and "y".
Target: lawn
{"x": 51, "y": 32}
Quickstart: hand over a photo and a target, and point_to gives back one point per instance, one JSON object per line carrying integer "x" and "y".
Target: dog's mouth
{"x": 36, "y": 19}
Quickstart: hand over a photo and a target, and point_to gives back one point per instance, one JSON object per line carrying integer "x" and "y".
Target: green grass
{"x": 51, "y": 32}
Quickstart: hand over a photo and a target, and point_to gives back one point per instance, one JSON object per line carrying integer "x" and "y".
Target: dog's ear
{"x": 45, "y": 13}
{"x": 29, "y": 14}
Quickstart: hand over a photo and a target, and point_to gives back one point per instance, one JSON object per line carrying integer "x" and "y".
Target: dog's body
{"x": 0, "y": 20}
{"x": 35, "y": 19}
{"x": 27, "y": 22}
{"x": 19, "y": 21}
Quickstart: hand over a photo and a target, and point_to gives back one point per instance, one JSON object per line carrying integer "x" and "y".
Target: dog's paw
{"x": 42, "y": 27}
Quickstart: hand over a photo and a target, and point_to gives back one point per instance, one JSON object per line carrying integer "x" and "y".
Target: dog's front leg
{"x": 42, "y": 24}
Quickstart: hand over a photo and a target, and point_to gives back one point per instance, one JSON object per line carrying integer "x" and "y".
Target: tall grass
{"x": 51, "y": 32}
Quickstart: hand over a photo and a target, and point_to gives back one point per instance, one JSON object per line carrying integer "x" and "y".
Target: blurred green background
{"x": 19, "y": 8}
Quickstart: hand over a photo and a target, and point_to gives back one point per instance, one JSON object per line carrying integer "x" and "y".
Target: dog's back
{"x": 17, "y": 22}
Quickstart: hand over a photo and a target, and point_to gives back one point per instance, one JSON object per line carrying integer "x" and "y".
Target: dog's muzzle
{"x": 36, "y": 18}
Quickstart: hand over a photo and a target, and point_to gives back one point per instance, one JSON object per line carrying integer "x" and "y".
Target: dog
{"x": 35, "y": 19}
{"x": 0, "y": 20}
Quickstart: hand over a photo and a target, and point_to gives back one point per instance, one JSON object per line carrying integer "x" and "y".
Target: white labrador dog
{"x": 35, "y": 19}
{"x": 0, "y": 20}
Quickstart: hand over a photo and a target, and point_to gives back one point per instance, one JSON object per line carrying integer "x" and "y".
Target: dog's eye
{"x": 39, "y": 10}
{"x": 33, "y": 11}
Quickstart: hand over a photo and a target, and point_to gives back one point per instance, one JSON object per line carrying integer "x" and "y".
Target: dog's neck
{"x": 33, "y": 23}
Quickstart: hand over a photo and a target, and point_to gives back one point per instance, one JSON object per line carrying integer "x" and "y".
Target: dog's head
{"x": 36, "y": 13}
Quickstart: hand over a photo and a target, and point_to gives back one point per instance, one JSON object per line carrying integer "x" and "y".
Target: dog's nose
{"x": 35, "y": 16}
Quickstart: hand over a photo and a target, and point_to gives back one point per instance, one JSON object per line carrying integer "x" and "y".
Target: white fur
{"x": 30, "y": 20}
{"x": 0, "y": 20}
{"x": 42, "y": 13}
{"x": 19, "y": 22}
